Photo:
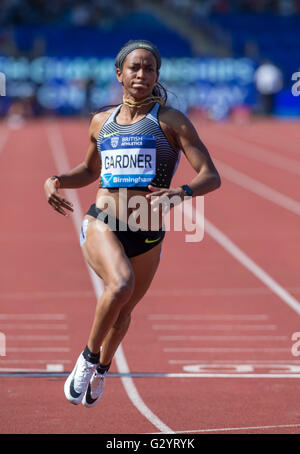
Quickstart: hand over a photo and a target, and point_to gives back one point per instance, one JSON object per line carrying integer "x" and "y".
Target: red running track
{"x": 207, "y": 315}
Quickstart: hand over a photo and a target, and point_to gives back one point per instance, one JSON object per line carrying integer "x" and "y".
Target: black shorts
{"x": 134, "y": 243}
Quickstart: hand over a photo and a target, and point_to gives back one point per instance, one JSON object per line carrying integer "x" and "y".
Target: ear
{"x": 119, "y": 75}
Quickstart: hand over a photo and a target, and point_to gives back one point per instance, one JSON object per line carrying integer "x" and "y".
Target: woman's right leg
{"x": 105, "y": 254}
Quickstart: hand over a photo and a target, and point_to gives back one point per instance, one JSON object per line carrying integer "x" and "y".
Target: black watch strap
{"x": 187, "y": 190}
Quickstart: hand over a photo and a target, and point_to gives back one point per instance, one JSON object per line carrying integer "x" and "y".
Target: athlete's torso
{"x": 122, "y": 139}
{"x": 147, "y": 133}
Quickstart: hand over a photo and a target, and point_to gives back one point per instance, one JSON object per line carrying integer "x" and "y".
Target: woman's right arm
{"x": 82, "y": 175}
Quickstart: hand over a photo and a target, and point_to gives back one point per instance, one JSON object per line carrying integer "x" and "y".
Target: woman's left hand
{"x": 164, "y": 197}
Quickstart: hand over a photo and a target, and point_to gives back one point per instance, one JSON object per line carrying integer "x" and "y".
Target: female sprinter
{"x": 134, "y": 146}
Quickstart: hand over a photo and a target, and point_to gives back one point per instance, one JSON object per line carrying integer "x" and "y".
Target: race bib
{"x": 128, "y": 161}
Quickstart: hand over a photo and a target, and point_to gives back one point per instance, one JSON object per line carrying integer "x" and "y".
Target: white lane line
{"x": 246, "y": 148}
{"x": 255, "y": 186}
{"x": 208, "y": 317}
{"x": 222, "y": 338}
{"x": 57, "y": 368}
{"x": 46, "y": 295}
{"x": 33, "y": 361}
{"x": 235, "y": 361}
{"x": 152, "y": 293}
{"x": 248, "y": 263}
{"x": 38, "y": 349}
{"x": 8, "y": 326}
{"x": 134, "y": 395}
{"x": 20, "y": 369}
{"x": 51, "y": 368}
{"x": 227, "y": 429}
{"x": 54, "y": 367}
{"x": 175, "y": 292}
{"x": 242, "y": 368}
{"x": 32, "y": 316}
{"x": 229, "y": 375}
{"x": 223, "y": 350}
{"x": 37, "y": 338}
{"x": 215, "y": 327}
{"x": 62, "y": 165}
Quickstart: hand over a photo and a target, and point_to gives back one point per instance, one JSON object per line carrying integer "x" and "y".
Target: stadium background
{"x": 58, "y": 56}
{"x": 212, "y": 346}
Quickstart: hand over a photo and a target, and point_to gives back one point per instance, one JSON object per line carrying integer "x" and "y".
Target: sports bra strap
{"x": 113, "y": 115}
{"x": 153, "y": 114}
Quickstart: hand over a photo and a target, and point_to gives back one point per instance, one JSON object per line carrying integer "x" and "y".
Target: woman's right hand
{"x": 58, "y": 202}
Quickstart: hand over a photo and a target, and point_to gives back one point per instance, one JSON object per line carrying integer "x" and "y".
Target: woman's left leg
{"x": 144, "y": 267}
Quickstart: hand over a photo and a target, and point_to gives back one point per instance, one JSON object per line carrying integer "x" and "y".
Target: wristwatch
{"x": 187, "y": 189}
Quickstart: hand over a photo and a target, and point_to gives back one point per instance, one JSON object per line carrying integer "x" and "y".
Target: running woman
{"x": 134, "y": 147}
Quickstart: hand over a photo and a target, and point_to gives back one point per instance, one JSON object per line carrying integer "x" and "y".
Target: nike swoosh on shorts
{"x": 151, "y": 241}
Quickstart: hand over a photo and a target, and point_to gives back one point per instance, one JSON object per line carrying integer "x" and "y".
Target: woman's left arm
{"x": 207, "y": 178}
{"x": 181, "y": 132}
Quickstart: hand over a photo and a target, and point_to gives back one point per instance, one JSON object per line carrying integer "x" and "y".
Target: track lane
{"x": 150, "y": 353}
{"x": 210, "y": 267}
{"x": 281, "y": 137}
{"x": 278, "y": 179}
{"x": 35, "y": 258}
{"x": 269, "y": 304}
{"x": 58, "y": 150}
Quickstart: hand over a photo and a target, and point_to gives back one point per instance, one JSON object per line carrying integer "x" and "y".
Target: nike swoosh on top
{"x": 110, "y": 134}
{"x": 151, "y": 241}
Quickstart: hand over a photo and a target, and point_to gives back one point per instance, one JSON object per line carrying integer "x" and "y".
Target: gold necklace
{"x": 143, "y": 102}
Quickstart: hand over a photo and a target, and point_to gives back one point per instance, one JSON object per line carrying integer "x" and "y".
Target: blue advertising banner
{"x": 82, "y": 85}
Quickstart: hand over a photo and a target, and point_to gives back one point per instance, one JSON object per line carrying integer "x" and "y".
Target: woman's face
{"x": 139, "y": 74}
